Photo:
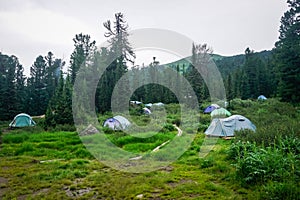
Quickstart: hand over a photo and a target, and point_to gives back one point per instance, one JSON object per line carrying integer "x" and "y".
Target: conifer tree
{"x": 287, "y": 53}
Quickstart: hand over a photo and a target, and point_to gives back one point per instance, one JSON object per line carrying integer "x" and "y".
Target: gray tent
{"x": 226, "y": 127}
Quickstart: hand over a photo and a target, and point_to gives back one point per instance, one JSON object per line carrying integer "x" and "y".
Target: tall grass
{"x": 274, "y": 167}
{"x": 268, "y": 157}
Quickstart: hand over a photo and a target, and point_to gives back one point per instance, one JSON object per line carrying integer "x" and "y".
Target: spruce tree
{"x": 287, "y": 54}
{"x": 84, "y": 48}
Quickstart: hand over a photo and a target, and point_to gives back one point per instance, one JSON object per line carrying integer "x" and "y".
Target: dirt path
{"x": 178, "y": 129}
{"x": 179, "y": 133}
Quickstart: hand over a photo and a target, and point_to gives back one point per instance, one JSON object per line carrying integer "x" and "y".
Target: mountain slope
{"x": 226, "y": 64}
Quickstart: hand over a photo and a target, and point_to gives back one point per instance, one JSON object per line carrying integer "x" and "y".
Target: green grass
{"x": 35, "y": 164}
{"x": 71, "y": 168}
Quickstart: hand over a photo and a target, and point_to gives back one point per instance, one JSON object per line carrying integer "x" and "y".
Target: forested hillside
{"x": 48, "y": 91}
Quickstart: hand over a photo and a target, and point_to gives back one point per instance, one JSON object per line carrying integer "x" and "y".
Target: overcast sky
{"x": 33, "y": 27}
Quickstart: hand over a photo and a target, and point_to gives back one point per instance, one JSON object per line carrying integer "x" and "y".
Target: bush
{"x": 238, "y": 149}
{"x": 202, "y": 127}
{"x": 176, "y": 121}
{"x": 263, "y": 165}
{"x": 107, "y": 130}
{"x": 167, "y": 128}
{"x": 278, "y": 191}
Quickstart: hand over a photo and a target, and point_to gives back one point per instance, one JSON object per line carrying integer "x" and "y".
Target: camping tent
{"x": 135, "y": 103}
{"x": 158, "y": 104}
{"x": 220, "y": 112}
{"x": 261, "y": 97}
{"x": 117, "y": 123}
{"x": 22, "y": 120}
{"x": 210, "y": 108}
{"x": 226, "y": 127}
{"x": 147, "y": 111}
{"x": 149, "y": 105}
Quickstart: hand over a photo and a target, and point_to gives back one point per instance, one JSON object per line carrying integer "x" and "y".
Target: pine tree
{"x": 287, "y": 53}
{"x": 199, "y": 61}
{"x": 229, "y": 89}
{"x": 119, "y": 53}
{"x": 20, "y": 88}
{"x": 84, "y": 48}
{"x": 39, "y": 96}
{"x": 9, "y": 102}
{"x": 59, "y": 110}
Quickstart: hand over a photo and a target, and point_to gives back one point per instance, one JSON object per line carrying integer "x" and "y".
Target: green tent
{"x": 220, "y": 113}
{"x": 22, "y": 120}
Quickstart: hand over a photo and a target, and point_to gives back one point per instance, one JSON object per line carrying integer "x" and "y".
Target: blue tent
{"x": 211, "y": 108}
{"x": 261, "y": 97}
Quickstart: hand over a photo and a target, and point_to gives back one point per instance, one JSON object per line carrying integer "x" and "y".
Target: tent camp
{"x": 261, "y": 97}
{"x": 117, "y": 123}
{"x": 220, "y": 112}
{"x": 22, "y": 120}
{"x": 226, "y": 127}
{"x": 210, "y": 108}
{"x": 147, "y": 111}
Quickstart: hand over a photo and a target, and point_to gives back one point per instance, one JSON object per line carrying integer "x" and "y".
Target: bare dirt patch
{"x": 3, "y": 180}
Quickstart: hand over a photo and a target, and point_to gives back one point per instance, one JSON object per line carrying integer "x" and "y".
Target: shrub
{"x": 238, "y": 149}
{"x": 277, "y": 191}
{"x": 176, "y": 121}
{"x": 206, "y": 163}
{"x": 202, "y": 127}
{"x": 107, "y": 130}
{"x": 167, "y": 128}
{"x": 263, "y": 165}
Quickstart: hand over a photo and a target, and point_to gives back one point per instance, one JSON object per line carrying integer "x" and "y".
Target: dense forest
{"x": 48, "y": 90}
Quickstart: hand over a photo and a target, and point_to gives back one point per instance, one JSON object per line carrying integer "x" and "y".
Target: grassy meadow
{"x": 54, "y": 164}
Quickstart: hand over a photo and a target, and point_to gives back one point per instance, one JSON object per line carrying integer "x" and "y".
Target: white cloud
{"x": 42, "y": 25}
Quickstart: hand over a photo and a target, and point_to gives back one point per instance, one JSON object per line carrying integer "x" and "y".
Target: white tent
{"x": 261, "y": 97}
{"x": 147, "y": 111}
{"x": 135, "y": 102}
{"x": 158, "y": 104}
{"x": 226, "y": 127}
{"x": 117, "y": 123}
{"x": 149, "y": 105}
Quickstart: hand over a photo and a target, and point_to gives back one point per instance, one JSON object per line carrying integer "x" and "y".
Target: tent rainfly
{"x": 158, "y": 104}
{"x": 220, "y": 112}
{"x": 147, "y": 111}
{"x": 135, "y": 102}
{"x": 22, "y": 120}
{"x": 149, "y": 105}
{"x": 210, "y": 108}
{"x": 261, "y": 97}
{"x": 225, "y": 127}
{"x": 117, "y": 123}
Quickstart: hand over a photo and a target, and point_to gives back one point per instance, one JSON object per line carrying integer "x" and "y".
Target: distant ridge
{"x": 226, "y": 64}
